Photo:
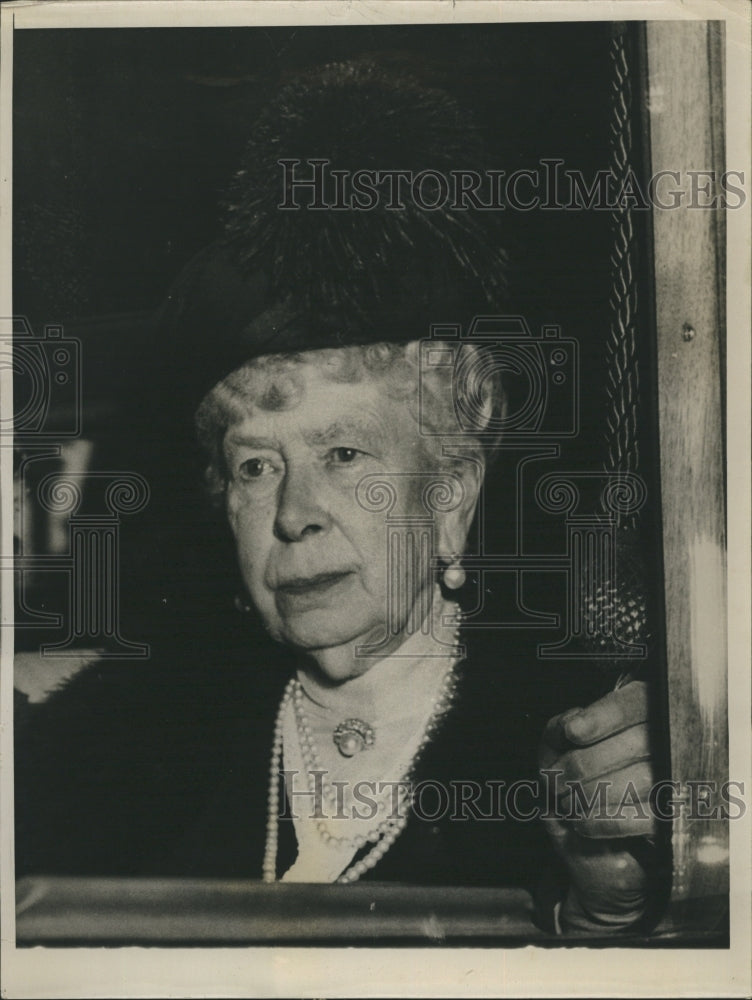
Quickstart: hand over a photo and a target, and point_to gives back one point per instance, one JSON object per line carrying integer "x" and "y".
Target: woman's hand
{"x": 600, "y": 774}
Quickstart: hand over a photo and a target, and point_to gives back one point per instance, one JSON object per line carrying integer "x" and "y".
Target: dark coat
{"x": 161, "y": 767}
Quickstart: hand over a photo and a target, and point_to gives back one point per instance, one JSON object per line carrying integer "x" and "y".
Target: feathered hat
{"x": 297, "y": 269}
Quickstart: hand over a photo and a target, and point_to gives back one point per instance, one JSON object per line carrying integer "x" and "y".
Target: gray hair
{"x": 433, "y": 395}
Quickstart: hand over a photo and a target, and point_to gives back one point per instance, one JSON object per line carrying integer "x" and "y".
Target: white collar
{"x": 389, "y": 688}
{"x": 397, "y": 697}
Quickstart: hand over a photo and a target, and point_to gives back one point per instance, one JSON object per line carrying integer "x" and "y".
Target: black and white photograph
{"x": 375, "y": 479}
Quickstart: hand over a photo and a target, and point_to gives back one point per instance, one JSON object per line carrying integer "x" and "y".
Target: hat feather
{"x": 361, "y": 118}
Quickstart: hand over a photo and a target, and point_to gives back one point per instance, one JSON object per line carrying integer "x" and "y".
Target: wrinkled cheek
{"x": 396, "y": 548}
{"x": 252, "y": 562}
{"x": 248, "y": 532}
{"x": 238, "y": 511}
{"x": 252, "y": 568}
{"x": 420, "y": 531}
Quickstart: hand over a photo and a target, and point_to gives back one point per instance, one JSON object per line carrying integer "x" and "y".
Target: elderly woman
{"x": 367, "y": 734}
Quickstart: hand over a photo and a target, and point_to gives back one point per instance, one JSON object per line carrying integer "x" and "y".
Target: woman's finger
{"x": 590, "y": 763}
{"x": 615, "y": 712}
{"x": 616, "y": 806}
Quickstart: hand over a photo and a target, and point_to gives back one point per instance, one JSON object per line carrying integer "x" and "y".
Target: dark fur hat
{"x": 284, "y": 278}
{"x": 358, "y": 118}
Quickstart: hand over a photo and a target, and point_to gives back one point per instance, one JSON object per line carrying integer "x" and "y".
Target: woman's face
{"x": 313, "y": 559}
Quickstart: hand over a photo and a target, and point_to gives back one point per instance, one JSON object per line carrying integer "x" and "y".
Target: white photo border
{"x": 527, "y": 971}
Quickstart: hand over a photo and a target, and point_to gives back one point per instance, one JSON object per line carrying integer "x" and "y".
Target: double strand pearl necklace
{"x": 385, "y": 833}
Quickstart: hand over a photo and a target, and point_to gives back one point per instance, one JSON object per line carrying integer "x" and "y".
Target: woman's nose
{"x": 301, "y": 510}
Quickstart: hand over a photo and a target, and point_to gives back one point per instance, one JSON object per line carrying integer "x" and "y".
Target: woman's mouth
{"x": 307, "y": 591}
{"x": 306, "y": 584}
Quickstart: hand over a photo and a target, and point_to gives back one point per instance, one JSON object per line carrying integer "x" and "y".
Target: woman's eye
{"x": 344, "y": 456}
{"x": 254, "y": 468}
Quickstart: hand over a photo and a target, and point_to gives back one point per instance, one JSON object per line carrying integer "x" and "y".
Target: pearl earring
{"x": 454, "y": 574}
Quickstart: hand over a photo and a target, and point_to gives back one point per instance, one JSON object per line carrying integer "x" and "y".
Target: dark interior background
{"x": 124, "y": 141}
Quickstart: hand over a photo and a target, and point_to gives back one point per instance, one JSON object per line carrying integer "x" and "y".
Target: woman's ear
{"x": 454, "y": 525}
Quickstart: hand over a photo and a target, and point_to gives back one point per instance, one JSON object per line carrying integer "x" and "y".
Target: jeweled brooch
{"x": 352, "y": 736}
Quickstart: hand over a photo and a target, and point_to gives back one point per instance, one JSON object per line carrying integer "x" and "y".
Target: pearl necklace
{"x": 386, "y": 832}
